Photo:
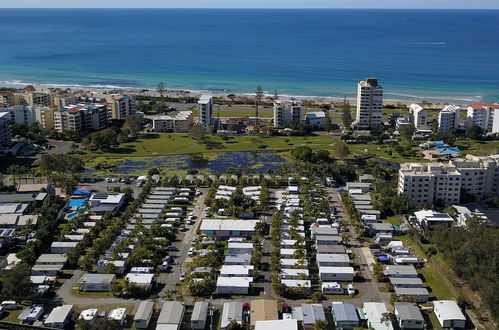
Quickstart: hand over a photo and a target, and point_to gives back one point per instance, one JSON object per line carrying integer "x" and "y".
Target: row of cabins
{"x": 236, "y": 274}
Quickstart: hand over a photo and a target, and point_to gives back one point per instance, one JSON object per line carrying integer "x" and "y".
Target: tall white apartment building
{"x": 91, "y": 117}
{"x": 427, "y": 183}
{"x": 448, "y": 119}
{"x": 5, "y": 132}
{"x": 418, "y": 116}
{"x": 286, "y": 112}
{"x": 177, "y": 122}
{"x": 369, "y": 104}
{"x": 21, "y": 115}
{"x": 484, "y": 115}
{"x": 205, "y": 110}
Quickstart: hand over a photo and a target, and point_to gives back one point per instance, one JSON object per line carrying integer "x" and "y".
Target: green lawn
{"x": 163, "y": 144}
{"x": 83, "y": 294}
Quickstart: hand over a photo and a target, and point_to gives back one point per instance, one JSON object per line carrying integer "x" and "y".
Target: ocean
{"x": 446, "y": 55}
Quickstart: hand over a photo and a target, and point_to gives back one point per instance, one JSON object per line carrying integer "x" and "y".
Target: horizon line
{"x": 256, "y": 8}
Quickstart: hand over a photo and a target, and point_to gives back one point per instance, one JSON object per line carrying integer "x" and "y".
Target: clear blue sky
{"x": 436, "y": 4}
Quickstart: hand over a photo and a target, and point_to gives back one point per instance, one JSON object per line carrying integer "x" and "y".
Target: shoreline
{"x": 184, "y": 92}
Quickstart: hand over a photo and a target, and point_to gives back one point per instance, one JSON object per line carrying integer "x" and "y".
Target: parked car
{"x": 182, "y": 276}
{"x": 350, "y": 289}
{"x": 191, "y": 252}
{"x": 171, "y": 248}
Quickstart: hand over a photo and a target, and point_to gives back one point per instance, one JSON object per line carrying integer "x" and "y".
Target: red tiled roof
{"x": 481, "y": 105}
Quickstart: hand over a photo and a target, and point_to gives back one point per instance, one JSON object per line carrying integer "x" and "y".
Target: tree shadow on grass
{"x": 149, "y": 136}
{"x": 210, "y": 145}
{"x": 121, "y": 150}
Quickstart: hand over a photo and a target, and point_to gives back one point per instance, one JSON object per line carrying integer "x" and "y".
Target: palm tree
{"x": 258, "y": 101}
{"x": 13, "y": 170}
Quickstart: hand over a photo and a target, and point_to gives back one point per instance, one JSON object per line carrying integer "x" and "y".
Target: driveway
{"x": 183, "y": 244}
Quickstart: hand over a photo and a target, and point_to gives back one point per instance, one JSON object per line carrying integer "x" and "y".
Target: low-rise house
{"x": 327, "y": 240}
{"x": 331, "y": 249}
{"x": 62, "y": 247}
{"x": 406, "y": 282}
{"x": 103, "y": 202}
{"x": 233, "y": 285}
{"x": 380, "y": 228}
{"x": 89, "y": 315}
{"x": 294, "y": 274}
{"x": 143, "y": 315}
{"x": 232, "y": 311}
{"x": 369, "y": 219}
{"x": 144, "y": 280}
{"x": 276, "y": 325}
{"x": 263, "y": 310}
{"x": 46, "y": 270}
{"x": 376, "y": 315}
{"x": 10, "y": 261}
{"x": 119, "y": 266}
{"x": 59, "y": 317}
{"x": 74, "y": 238}
{"x": 228, "y": 228}
{"x": 31, "y": 314}
{"x": 332, "y": 288}
{"x": 288, "y": 253}
{"x": 297, "y": 283}
{"x": 237, "y": 270}
{"x": 448, "y": 314}
{"x": 344, "y": 315}
{"x": 365, "y": 187}
{"x": 409, "y": 316}
{"x": 323, "y": 231}
{"x": 376, "y": 213}
{"x": 288, "y": 243}
{"x": 401, "y": 271}
{"x": 342, "y": 274}
{"x": 293, "y": 263}
{"x": 237, "y": 259}
{"x": 333, "y": 260}
{"x": 408, "y": 259}
{"x": 419, "y": 295}
{"x": 171, "y": 315}
{"x": 199, "y": 315}
{"x": 96, "y": 282}
{"x": 118, "y": 315}
{"x": 429, "y": 218}
{"x": 312, "y": 313}
{"x": 240, "y": 248}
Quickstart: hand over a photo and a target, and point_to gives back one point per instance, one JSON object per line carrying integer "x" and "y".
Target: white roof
{"x": 292, "y": 262}
{"x": 374, "y": 311}
{"x": 432, "y": 216}
{"x": 204, "y": 99}
{"x": 339, "y": 257}
{"x": 294, "y": 272}
{"x": 239, "y": 245}
{"x": 59, "y": 314}
{"x": 236, "y": 270}
{"x": 238, "y": 282}
{"x": 336, "y": 270}
{"x": 331, "y": 285}
{"x": 88, "y": 314}
{"x": 296, "y": 283}
{"x": 448, "y": 309}
{"x": 140, "y": 278}
{"x": 288, "y": 251}
{"x": 64, "y": 244}
{"x": 236, "y": 225}
{"x": 276, "y": 325}
{"x": 117, "y": 314}
{"x": 108, "y": 198}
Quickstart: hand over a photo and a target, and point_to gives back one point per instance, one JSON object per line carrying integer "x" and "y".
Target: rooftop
{"x": 171, "y": 313}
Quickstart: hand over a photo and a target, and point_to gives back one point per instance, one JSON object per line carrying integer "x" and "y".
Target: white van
{"x": 9, "y": 304}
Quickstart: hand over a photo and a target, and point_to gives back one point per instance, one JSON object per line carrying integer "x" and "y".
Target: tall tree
{"x": 161, "y": 90}
{"x": 258, "y": 101}
{"x": 346, "y": 115}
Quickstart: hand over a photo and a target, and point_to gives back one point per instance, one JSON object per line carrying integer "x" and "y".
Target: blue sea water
{"x": 416, "y": 54}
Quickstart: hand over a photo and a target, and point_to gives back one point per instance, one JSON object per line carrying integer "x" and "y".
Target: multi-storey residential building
{"x": 121, "y": 106}
{"x": 89, "y": 117}
{"x": 21, "y": 115}
{"x": 286, "y": 112}
{"x": 6, "y": 99}
{"x": 205, "y": 110}
{"x": 418, "y": 116}
{"x": 36, "y": 98}
{"x": 369, "y": 104}
{"x": 448, "y": 119}
{"x": 177, "y": 122}
{"x": 429, "y": 183}
{"x": 5, "y": 133}
{"x": 484, "y": 115}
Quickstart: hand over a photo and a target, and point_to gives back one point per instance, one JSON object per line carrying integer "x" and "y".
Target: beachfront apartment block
{"x": 176, "y": 122}
{"x": 483, "y": 115}
{"x": 90, "y": 117}
{"x": 427, "y": 183}
{"x": 205, "y": 110}
{"x": 5, "y": 131}
{"x": 369, "y": 104}
{"x": 418, "y": 116}
{"x": 448, "y": 119}
{"x": 122, "y": 106}
{"x": 21, "y": 114}
{"x": 287, "y": 112}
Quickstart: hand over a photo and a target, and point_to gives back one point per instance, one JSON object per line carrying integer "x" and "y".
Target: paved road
{"x": 183, "y": 245}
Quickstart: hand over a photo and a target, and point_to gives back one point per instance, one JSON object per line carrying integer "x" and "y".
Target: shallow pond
{"x": 257, "y": 161}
